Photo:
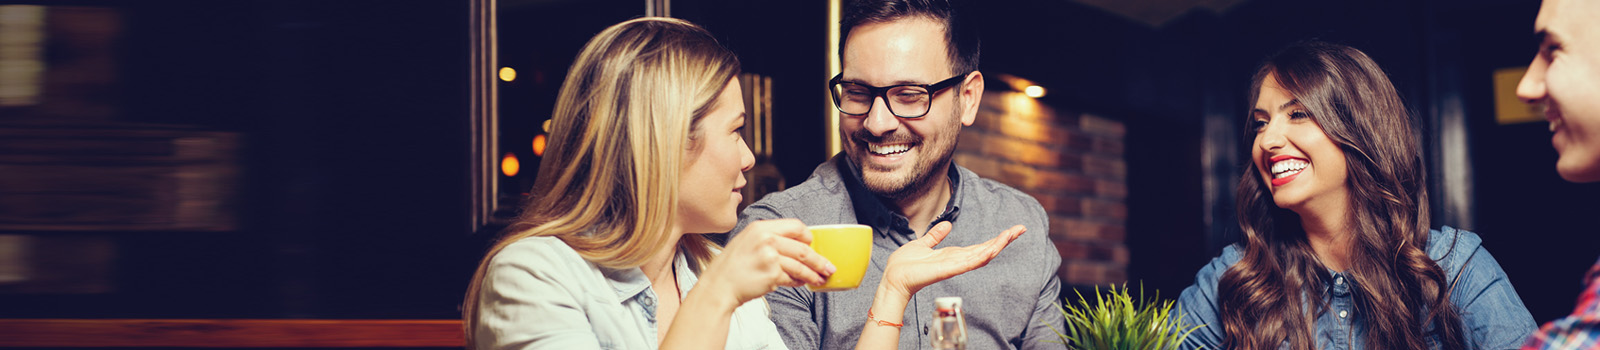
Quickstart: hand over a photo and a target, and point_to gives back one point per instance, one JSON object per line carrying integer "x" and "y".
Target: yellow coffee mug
{"x": 848, "y": 247}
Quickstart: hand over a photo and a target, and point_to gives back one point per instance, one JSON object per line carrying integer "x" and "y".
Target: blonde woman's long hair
{"x": 624, "y": 121}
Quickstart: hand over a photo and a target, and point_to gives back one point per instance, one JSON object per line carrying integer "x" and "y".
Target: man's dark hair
{"x": 961, "y": 39}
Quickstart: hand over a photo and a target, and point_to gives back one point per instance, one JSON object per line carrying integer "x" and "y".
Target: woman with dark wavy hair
{"x": 1337, "y": 250}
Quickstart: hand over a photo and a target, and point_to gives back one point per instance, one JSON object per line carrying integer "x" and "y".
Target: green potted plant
{"x": 1117, "y": 321}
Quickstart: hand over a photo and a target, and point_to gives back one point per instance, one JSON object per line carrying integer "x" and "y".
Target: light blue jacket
{"x": 538, "y": 293}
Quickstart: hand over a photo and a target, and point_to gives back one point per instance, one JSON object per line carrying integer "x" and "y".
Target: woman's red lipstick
{"x": 1286, "y": 179}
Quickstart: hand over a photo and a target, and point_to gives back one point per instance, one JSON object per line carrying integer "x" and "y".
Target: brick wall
{"x": 1073, "y": 164}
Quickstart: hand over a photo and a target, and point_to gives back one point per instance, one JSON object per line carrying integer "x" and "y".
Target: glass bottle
{"x": 949, "y": 326}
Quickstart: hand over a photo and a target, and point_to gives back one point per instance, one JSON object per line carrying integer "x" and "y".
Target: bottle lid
{"x": 947, "y": 304}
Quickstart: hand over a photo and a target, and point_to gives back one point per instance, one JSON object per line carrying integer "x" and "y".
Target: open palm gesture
{"x": 916, "y": 264}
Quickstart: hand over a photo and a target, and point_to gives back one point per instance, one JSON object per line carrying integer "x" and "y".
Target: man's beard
{"x": 923, "y": 170}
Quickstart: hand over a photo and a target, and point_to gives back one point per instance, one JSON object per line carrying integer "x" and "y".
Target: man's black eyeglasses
{"x": 909, "y": 101}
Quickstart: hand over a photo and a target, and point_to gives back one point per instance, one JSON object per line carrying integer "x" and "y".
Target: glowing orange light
{"x": 1033, "y": 91}
{"x": 538, "y": 145}
{"x": 508, "y": 74}
{"x": 509, "y": 165}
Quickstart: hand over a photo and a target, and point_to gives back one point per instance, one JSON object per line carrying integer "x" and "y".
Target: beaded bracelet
{"x": 882, "y": 322}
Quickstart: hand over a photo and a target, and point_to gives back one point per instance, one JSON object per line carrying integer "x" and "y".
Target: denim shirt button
{"x": 1343, "y": 314}
{"x": 1338, "y": 280}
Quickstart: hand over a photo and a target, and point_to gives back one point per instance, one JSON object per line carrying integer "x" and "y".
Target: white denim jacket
{"x": 538, "y": 293}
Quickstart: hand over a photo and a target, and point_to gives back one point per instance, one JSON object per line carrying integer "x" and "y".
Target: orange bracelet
{"x": 882, "y": 322}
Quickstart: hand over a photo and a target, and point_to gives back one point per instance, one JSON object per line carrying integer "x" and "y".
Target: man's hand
{"x": 916, "y": 264}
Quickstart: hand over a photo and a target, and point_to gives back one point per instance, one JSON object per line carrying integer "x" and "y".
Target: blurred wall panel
{"x": 58, "y": 264}
{"x": 236, "y": 159}
{"x": 83, "y": 179}
{"x": 59, "y": 63}
{"x": 21, "y": 54}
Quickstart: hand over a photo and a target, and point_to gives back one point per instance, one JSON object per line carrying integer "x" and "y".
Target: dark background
{"x": 355, "y": 118}
{"x": 352, "y": 115}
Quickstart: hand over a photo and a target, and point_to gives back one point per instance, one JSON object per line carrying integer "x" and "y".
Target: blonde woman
{"x": 645, "y": 153}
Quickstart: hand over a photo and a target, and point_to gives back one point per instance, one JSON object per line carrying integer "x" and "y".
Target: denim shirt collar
{"x": 871, "y": 211}
{"x": 1494, "y": 315}
{"x": 1336, "y": 284}
{"x": 631, "y": 283}
{"x": 1446, "y": 246}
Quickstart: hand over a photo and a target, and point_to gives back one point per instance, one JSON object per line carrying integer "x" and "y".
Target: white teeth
{"x": 1554, "y": 123}
{"x": 888, "y": 149}
{"x": 1287, "y": 167}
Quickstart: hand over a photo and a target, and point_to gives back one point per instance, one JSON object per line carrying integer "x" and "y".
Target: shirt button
{"x": 649, "y": 302}
{"x": 1338, "y": 280}
{"x": 1343, "y": 313}
{"x": 924, "y": 329}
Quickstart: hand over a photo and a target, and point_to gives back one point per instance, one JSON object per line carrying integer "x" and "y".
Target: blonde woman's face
{"x": 713, "y": 174}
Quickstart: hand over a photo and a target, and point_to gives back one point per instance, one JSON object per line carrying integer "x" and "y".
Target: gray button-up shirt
{"x": 1007, "y": 303}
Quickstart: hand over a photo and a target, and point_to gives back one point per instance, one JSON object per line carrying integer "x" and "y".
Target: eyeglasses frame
{"x": 883, "y": 93}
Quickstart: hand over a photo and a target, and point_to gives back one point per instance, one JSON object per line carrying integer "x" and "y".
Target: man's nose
{"x": 879, "y": 120}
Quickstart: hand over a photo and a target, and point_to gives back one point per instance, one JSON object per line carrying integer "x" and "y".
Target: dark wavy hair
{"x": 961, "y": 37}
{"x": 1398, "y": 289}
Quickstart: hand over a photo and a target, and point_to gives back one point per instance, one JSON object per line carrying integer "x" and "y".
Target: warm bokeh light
{"x": 1021, "y": 105}
{"x": 1033, "y": 91}
{"x": 538, "y": 145}
{"x": 509, "y": 165}
{"x": 546, "y": 125}
{"x": 508, "y": 74}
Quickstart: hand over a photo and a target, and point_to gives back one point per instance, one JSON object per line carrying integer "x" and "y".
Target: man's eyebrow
{"x": 892, "y": 83}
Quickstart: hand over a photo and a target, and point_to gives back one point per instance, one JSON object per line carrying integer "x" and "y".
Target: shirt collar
{"x": 871, "y": 211}
{"x": 1336, "y": 283}
{"x": 630, "y": 282}
{"x": 686, "y": 276}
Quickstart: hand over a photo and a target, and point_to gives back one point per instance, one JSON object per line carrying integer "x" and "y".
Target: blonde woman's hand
{"x": 916, "y": 264}
{"x": 766, "y": 255}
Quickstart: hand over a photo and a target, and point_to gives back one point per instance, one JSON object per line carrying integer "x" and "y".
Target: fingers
{"x": 935, "y": 235}
{"x": 1005, "y": 238}
{"x": 992, "y": 248}
{"x": 791, "y": 228}
{"x": 804, "y": 257}
{"x": 796, "y": 274}
{"x": 976, "y": 256}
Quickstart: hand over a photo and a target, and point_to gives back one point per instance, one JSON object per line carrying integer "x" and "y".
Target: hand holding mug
{"x": 767, "y": 254}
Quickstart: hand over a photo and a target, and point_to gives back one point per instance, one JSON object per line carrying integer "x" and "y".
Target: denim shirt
{"x": 1007, "y": 304}
{"x": 538, "y": 293}
{"x": 1492, "y": 314}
